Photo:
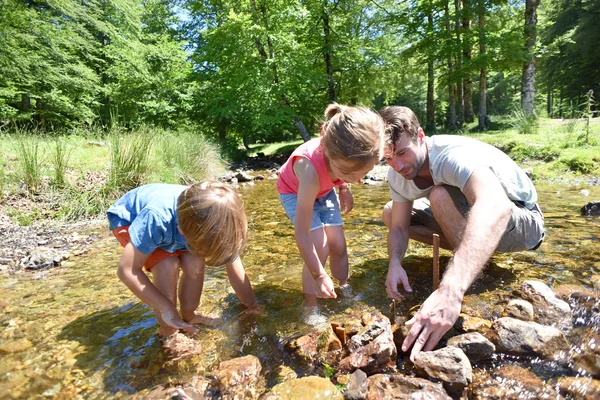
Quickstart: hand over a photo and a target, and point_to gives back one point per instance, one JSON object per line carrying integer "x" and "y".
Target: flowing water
{"x": 76, "y": 331}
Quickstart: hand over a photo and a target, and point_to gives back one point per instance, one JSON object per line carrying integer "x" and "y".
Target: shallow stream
{"x": 76, "y": 331}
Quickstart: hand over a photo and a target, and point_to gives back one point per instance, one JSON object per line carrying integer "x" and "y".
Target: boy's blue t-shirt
{"x": 151, "y": 212}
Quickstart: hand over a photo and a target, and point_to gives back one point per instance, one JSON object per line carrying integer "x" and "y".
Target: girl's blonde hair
{"x": 212, "y": 219}
{"x": 352, "y": 133}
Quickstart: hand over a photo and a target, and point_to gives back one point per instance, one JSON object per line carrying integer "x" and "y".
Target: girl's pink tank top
{"x": 288, "y": 182}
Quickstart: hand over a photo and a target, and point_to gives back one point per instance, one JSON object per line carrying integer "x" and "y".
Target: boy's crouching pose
{"x": 171, "y": 228}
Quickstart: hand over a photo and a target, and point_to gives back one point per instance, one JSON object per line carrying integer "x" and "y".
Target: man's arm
{"x": 307, "y": 193}
{"x": 486, "y": 223}
{"x": 397, "y": 242}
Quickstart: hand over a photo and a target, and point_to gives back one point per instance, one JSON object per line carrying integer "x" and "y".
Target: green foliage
{"x": 129, "y": 158}
{"x": 27, "y": 147}
{"x": 530, "y": 151}
{"x": 524, "y": 123}
{"x": 328, "y": 371}
{"x": 578, "y": 163}
{"x": 60, "y": 159}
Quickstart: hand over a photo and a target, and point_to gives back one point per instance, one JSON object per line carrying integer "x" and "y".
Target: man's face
{"x": 405, "y": 156}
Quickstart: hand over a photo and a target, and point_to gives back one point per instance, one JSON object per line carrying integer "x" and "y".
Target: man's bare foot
{"x": 206, "y": 320}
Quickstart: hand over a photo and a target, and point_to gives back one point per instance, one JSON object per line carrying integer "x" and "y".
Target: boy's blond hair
{"x": 353, "y": 134}
{"x": 400, "y": 119}
{"x": 212, "y": 219}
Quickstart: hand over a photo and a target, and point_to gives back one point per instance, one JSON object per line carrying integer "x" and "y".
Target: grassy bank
{"x": 80, "y": 175}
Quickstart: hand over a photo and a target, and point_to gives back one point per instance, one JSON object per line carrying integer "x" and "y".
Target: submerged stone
{"x": 450, "y": 365}
{"x": 307, "y": 388}
{"x": 398, "y": 386}
{"x": 591, "y": 209}
{"x": 475, "y": 346}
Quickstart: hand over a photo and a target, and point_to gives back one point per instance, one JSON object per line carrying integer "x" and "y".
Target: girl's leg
{"x": 319, "y": 241}
{"x": 336, "y": 241}
{"x": 164, "y": 276}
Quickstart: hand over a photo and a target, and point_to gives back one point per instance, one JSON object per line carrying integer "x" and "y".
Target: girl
{"x": 351, "y": 143}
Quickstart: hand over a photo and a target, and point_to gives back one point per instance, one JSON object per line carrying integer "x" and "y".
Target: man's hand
{"x": 346, "y": 200}
{"x": 436, "y": 317}
{"x": 395, "y": 276}
{"x": 170, "y": 318}
{"x": 324, "y": 287}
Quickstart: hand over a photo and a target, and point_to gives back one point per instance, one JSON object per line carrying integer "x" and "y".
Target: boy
{"x": 164, "y": 228}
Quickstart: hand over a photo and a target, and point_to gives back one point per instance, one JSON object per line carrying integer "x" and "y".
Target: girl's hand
{"x": 324, "y": 287}
{"x": 346, "y": 200}
{"x": 203, "y": 319}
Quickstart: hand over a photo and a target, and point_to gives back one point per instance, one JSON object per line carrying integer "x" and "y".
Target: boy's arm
{"x": 130, "y": 272}
{"x": 240, "y": 283}
{"x": 307, "y": 193}
{"x": 397, "y": 242}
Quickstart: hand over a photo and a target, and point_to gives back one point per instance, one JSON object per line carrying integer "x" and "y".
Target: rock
{"x": 243, "y": 176}
{"x": 475, "y": 346}
{"x": 519, "y": 309}
{"x": 528, "y": 338}
{"x": 398, "y": 386}
{"x": 529, "y": 173}
{"x": 582, "y": 296}
{"x": 15, "y": 346}
{"x": 357, "y": 387}
{"x": 467, "y": 323}
{"x": 579, "y": 388}
{"x": 307, "y": 388}
{"x": 547, "y": 308}
{"x": 450, "y": 365}
{"x": 282, "y": 374}
{"x": 595, "y": 279}
{"x": 259, "y": 177}
{"x": 43, "y": 257}
{"x": 238, "y": 378}
{"x": 589, "y": 363}
{"x": 584, "y": 192}
{"x": 370, "y": 349}
{"x": 316, "y": 343}
{"x": 591, "y": 209}
{"x": 197, "y": 388}
{"x": 510, "y": 382}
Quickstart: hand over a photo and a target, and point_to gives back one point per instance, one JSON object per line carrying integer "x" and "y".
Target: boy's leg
{"x": 164, "y": 276}
{"x": 338, "y": 251}
{"x": 319, "y": 241}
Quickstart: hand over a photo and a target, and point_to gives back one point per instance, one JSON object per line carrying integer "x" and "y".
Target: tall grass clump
{"x": 524, "y": 123}
{"x": 60, "y": 159}
{"x": 130, "y": 159}
{"x": 27, "y": 148}
{"x": 190, "y": 157}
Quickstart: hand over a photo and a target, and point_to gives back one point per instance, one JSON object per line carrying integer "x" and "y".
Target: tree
{"x": 528, "y": 77}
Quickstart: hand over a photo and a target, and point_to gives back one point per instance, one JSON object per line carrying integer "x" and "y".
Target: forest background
{"x": 238, "y": 73}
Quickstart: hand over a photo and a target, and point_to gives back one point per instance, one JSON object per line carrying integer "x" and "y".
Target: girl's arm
{"x": 307, "y": 194}
{"x": 132, "y": 275}
{"x": 240, "y": 283}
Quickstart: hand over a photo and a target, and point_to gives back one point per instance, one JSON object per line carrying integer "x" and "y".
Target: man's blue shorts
{"x": 326, "y": 210}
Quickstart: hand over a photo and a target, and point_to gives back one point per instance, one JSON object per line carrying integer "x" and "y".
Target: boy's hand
{"x": 324, "y": 287}
{"x": 171, "y": 318}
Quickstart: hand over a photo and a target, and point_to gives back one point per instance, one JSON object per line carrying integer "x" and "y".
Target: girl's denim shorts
{"x": 326, "y": 211}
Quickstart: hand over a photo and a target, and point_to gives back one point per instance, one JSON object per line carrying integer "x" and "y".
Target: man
{"x": 470, "y": 193}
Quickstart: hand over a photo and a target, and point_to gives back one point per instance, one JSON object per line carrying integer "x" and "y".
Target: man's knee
{"x": 386, "y": 214}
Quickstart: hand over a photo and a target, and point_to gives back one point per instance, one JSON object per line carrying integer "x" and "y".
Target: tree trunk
{"x": 467, "y": 49}
{"x": 327, "y": 55}
{"x": 222, "y": 134}
{"x": 451, "y": 116}
{"x": 302, "y": 129}
{"x": 482, "y": 116}
{"x": 25, "y": 103}
{"x": 459, "y": 87}
{"x": 430, "y": 124}
{"x": 528, "y": 78}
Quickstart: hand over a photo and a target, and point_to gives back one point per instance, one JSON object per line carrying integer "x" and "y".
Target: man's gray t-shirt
{"x": 452, "y": 160}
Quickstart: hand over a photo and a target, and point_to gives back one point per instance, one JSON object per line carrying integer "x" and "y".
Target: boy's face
{"x": 407, "y": 157}
{"x": 349, "y": 171}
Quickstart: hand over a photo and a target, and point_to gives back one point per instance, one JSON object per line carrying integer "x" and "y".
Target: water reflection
{"x": 80, "y": 332}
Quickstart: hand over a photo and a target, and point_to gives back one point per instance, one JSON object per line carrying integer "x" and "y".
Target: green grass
{"x": 274, "y": 148}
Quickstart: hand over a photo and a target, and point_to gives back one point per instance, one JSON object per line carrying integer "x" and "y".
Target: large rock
{"x": 370, "y": 349}
{"x": 519, "y": 309}
{"x": 475, "y": 346}
{"x": 307, "y": 388}
{"x": 514, "y": 336}
{"x": 548, "y": 309}
{"x": 402, "y": 387}
{"x": 357, "y": 387}
{"x": 577, "y": 295}
{"x": 43, "y": 257}
{"x": 316, "y": 344}
{"x": 449, "y": 364}
{"x": 591, "y": 209}
{"x": 238, "y": 378}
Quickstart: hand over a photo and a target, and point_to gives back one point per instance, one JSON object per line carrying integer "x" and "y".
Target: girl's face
{"x": 349, "y": 171}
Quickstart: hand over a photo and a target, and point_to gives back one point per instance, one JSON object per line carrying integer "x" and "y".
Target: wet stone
{"x": 467, "y": 323}
{"x": 548, "y": 309}
{"x": 528, "y": 338}
{"x": 15, "y": 346}
{"x": 450, "y": 365}
{"x": 580, "y": 295}
{"x": 238, "y": 378}
{"x": 357, "y": 387}
{"x": 282, "y": 374}
{"x": 510, "y": 382}
{"x": 475, "y": 346}
{"x": 580, "y": 388}
{"x": 591, "y": 209}
{"x": 519, "y": 309}
{"x": 398, "y": 386}
{"x": 307, "y": 388}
